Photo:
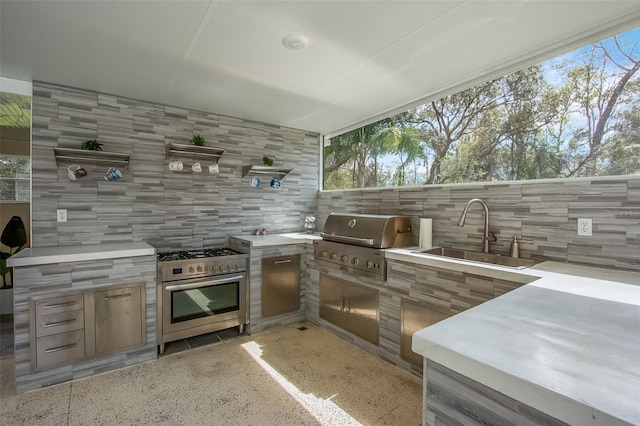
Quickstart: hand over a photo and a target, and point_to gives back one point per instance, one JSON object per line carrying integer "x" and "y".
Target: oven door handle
{"x": 202, "y": 283}
{"x": 344, "y": 239}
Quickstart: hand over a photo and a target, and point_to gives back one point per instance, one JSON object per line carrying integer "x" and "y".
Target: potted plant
{"x": 13, "y": 236}
{"x": 92, "y": 145}
{"x": 197, "y": 140}
{"x": 267, "y": 161}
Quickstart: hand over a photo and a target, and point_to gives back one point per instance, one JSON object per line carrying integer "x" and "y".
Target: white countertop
{"x": 565, "y": 344}
{"x": 79, "y": 253}
{"x": 278, "y": 239}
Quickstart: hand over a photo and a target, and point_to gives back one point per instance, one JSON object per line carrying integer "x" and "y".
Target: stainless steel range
{"x": 354, "y": 242}
{"x": 201, "y": 291}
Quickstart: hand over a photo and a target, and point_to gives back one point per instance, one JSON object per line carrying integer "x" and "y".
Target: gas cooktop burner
{"x": 195, "y": 254}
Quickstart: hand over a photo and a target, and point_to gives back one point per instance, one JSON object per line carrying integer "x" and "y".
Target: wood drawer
{"x": 54, "y": 305}
{"x": 59, "y": 348}
{"x": 62, "y": 322}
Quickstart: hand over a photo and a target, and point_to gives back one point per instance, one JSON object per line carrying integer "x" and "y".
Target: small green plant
{"x": 197, "y": 140}
{"x": 92, "y": 145}
{"x": 267, "y": 161}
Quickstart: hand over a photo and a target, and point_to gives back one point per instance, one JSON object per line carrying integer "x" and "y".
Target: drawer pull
{"x": 117, "y": 296}
{"x": 53, "y": 324}
{"x": 58, "y": 305}
{"x": 61, "y": 348}
{"x": 278, "y": 262}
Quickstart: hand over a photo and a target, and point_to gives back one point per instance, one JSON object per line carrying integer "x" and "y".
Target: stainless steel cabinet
{"x": 118, "y": 321}
{"x": 57, "y": 329}
{"x": 350, "y": 306}
{"x": 415, "y": 317}
{"x": 280, "y": 285}
{"x": 79, "y": 324}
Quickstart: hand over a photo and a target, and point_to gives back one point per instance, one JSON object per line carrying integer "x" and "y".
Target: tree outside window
{"x": 574, "y": 115}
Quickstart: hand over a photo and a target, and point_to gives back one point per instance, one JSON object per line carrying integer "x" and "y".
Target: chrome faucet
{"x": 486, "y": 236}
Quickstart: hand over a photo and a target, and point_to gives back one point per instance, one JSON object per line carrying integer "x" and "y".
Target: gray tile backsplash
{"x": 543, "y": 215}
{"x": 166, "y": 209}
{"x": 172, "y": 210}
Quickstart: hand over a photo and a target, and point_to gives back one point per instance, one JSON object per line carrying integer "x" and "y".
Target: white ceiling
{"x": 365, "y": 58}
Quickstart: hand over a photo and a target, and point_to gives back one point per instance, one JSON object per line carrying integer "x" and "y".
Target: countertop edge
{"x": 558, "y": 406}
{"x": 63, "y": 254}
{"x": 258, "y": 241}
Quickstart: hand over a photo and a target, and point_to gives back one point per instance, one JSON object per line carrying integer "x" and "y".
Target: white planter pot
{"x": 6, "y": 301}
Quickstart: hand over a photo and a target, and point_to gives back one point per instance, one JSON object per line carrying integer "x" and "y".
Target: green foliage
{"x": 267, "y": 161}
{"x": 583, "y": 122}
{"x": 197, "y": 140}
{"x": 91, "y": 145}
{"x": 15, "y": 110}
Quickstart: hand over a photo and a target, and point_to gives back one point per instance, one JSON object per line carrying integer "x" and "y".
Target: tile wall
{"x": 542, "y": 214}
{"x": 166, "y": 209}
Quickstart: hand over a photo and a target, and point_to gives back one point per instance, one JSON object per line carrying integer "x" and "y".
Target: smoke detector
{"x": 295, "y": 41}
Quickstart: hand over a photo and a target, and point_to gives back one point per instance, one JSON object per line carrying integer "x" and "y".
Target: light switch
{"x": 62, "y": 215}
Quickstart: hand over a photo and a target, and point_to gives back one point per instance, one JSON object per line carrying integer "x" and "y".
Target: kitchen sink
{"x": 474, "y": 256}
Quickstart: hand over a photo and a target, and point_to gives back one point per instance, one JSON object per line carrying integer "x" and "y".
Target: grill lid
{"x": 377, "y": 231}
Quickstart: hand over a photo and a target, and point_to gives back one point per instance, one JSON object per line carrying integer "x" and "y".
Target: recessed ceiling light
{"x": 295, "y": 41}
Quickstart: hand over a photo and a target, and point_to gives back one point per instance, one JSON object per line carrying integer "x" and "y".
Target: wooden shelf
{"x": 259, "y": 170}
{"x": 70, "y": 155}
{"x": 202, "y": 153}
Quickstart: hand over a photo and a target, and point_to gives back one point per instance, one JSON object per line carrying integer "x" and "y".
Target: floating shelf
{"x": 256, "y": 170}
{"x": 70, "y": 155}
{"x": 203, "y": 153}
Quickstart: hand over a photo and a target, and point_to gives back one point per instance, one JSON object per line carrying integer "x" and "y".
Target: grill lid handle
{"x": 350, "y": 240}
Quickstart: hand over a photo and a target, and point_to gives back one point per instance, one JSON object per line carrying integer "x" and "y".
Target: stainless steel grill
{"x": 355, "y": 242}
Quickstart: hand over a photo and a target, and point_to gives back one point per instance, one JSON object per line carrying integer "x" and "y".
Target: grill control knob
{"x": 369, "y": 264}
{"x": 356, "y": 260}
{"x": 323, "y": 254}
{"x": 333, "y": 255}
{"x": 199, "y": 268}
{"x": 344, "y": 258}
{"x": 191, "y": 269}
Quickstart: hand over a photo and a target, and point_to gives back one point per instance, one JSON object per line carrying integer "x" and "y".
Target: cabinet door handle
{"x": 117, "y": 296}
{"x": 58, "y": 305}
{"x": 53, "y": 324}
{"x": 61, "y": 348}
{"x": 348, "y": 305}
{"x": 342, "y": 304}
{"x": 278, "y": 262}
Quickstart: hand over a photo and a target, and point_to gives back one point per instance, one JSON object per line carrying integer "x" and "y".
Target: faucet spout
{"x": 486, "y": 235}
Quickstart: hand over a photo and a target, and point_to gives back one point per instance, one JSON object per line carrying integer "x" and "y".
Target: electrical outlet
{"x": 62, "y": 215}
{"x": 584, "y": 227}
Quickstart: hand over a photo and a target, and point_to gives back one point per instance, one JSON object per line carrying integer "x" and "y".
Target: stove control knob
{"x": 228, "y": 266}
{"x": 333, "y": 255}
{"x": 236, "y": 267}
{"x": 323, "y": 254}
{"x": 369, "y": 264}
{"x": 355, "y": 260}
{"x": 344, "y": 258}
{"x": 191, "y": 269}
{"x": 199, "y": 268}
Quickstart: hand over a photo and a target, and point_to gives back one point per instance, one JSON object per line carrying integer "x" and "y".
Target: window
{"x": 15, "y": 178}
{"x": 574, "y": 115}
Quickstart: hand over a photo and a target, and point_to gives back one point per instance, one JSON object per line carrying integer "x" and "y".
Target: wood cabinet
{"x": 350, "y": 306}
{"x": 80, "y": 324}
{"x": 280, "y": 285}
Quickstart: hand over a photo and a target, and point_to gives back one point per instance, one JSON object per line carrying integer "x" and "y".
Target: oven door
{"x": 202, "y": 301}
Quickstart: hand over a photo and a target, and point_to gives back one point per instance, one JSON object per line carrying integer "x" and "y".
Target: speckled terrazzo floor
{"x": 282, "y": 376}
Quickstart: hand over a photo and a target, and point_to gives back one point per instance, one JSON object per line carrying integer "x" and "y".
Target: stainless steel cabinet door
{"x": 280, "y": 285}
{"x": 361, "y": 306}
{"x": 118, "y": 319}
{"x": 331, "y": 299}
{"x": 415, "y": 317}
